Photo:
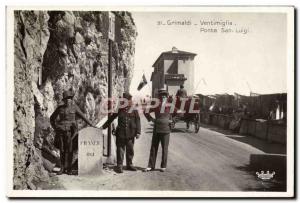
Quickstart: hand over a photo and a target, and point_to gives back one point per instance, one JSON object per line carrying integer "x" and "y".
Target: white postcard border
{"x": 289, "y": 10}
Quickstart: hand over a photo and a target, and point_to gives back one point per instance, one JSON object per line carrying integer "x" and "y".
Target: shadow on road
{"x": 258, "y": 143}
{"x": 274, "y": 160}
{"x": 261, "y": 163}
{"x": 114, "y": 168}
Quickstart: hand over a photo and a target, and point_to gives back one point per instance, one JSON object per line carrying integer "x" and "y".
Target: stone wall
{"x": 266, "y": 130}
{"x": 263, "y": 129}
{"x": 56, "y": 51}
{"x": 220, "y": 120}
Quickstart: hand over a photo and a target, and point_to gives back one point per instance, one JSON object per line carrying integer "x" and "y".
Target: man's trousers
{"x": 157, "y": 138}
{"x": 125, "y": 144}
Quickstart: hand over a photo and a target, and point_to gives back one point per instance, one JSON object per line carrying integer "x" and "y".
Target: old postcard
{"x": 150, "y": 101}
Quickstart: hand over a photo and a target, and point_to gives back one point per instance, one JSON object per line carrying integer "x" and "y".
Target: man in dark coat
{"x": 161, "y": 131}
{"x": 63, "y": 121}
{"x": 181, "y": 92}
{"x": 129, "y": 128}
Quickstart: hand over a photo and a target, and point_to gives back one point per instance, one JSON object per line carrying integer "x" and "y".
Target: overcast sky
{"x": 228, "y": 62}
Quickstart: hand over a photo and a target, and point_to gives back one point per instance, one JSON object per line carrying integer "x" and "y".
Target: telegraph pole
{"x": 111, "y": 38}
{"x": 109, "y": 96}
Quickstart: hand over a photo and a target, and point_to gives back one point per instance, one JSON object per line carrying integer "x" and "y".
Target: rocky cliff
{"x": 56, "y": 51}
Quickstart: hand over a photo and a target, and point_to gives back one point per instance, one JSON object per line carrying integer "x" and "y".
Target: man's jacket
{"x": 181, "y": 93}
{"x": 163, "y": 118}
{"x": 129, "y": 124}
{"x": 64, "y": 117}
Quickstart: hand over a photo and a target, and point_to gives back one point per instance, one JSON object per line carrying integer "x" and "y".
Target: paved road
{"x": 207, "y": 161}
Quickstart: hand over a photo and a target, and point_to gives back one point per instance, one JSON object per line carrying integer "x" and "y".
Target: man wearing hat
{"x": 63, "y": 121}
{"x": 161, "y": 131}
{"x": 181, "y": 92}
{"x": 129, "y": 128}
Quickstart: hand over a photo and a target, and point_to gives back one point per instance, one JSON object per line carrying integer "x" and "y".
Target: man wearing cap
{"x": 129, "y": 128}
{"x": 63, "y": 121}
{"x": 161, "y": 131}
{"x": 181, "y": 92}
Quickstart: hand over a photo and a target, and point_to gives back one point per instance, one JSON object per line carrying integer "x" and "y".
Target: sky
{"x": 225, "y": 62}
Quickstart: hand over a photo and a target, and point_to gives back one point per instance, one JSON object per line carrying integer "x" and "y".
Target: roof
{"x": 174, "y": 51}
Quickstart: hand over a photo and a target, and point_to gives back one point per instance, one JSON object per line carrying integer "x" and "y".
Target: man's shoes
{"x": 131, "y": 168}
{"x": 148, "y": 169}
{"x": 72, "y": 172}
{"x": 163, "y": 169}
{"x": 69, "y": 172}
{"x": 119, "y": 169}
{"x": 60, "y": 172}
{"x": 55, "y": 169}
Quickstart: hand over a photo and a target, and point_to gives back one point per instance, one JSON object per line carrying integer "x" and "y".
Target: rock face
{"x": 56, "y": 51}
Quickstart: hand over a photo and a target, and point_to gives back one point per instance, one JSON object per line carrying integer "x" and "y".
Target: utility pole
{"x": 111, "y": 38}
{"x": 109, "y": 96}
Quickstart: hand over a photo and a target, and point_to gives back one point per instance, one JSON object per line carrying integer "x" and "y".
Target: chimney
{"x": 174, "y": 50}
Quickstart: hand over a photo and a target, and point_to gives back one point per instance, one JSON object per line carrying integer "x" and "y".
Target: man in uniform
{"x": 181, "y": 92}
{"x": 129, "y": 128}
{"x": 161, "y": 131}
{"x": 63, "y": 121}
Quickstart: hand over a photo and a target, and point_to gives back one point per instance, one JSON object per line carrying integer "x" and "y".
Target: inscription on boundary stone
{"x": 90, "y": 151}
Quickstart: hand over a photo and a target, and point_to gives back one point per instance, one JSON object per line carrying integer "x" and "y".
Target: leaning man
{"x": 63, "y": 121}
{"x": 129, "y": 128}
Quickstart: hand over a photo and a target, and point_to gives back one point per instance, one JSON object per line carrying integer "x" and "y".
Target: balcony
{"x": 176, "y": 77}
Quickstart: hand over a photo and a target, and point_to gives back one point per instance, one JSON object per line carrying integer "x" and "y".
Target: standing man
{"x": 181, "y": 92}
{"x": 63, "y": 121}
{"x": 129, "y": 128}
{"x": 161, "y": 131}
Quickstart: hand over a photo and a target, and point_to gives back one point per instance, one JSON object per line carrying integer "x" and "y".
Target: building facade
{"x": 172, "y": 69}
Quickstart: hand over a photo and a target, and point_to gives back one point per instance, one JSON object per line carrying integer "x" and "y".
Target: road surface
{"x": 210, "y": 160}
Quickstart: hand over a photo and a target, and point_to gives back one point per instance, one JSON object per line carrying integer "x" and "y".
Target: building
{"x": 172, "y": 69}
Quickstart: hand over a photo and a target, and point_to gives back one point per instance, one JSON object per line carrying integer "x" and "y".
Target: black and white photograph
{"x": 150, "y": 101}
